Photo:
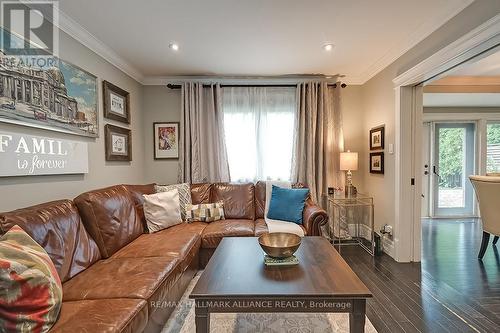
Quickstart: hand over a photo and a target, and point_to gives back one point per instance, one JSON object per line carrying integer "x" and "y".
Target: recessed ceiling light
{"x": 328, "y": 46}
{"x": 174, "y": 46}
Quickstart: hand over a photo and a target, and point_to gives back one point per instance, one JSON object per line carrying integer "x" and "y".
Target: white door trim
{"x": 482, "y": 41}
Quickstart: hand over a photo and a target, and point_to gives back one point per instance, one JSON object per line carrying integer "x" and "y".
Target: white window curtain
{"x": 259, "y": 125}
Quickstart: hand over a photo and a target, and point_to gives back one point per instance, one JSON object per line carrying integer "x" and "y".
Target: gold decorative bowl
{"x": 279, "y": 244}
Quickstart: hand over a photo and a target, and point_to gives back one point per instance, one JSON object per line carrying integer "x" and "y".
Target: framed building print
{"x": 166, "y": 140}
{"x": 116, "y": 103}
{"x": 377, "y": 163}
{"x": 377, "y": 138}
{"x": 118, "y": 143}
{"x": 54, "y": 94}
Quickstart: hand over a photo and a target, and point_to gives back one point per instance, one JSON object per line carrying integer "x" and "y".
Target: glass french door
{"x": 453, "y": 163}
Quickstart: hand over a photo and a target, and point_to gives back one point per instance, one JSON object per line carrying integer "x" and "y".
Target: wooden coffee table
{"x": 236, "y": 280}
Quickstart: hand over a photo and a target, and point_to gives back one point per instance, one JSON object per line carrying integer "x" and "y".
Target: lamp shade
{"x": 348, "y": 161}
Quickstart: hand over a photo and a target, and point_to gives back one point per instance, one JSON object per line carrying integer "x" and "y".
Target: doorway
{"x": 479, "y": 43}
{"x": 453, "y": 161}
{"x": 449, "y": 157}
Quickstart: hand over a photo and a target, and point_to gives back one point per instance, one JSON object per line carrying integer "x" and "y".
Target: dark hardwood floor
{"x": 449, "y": 291}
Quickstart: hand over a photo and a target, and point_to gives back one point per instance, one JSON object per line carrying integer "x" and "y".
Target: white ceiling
{"x": 461, "y": 100}
{"x": 488, "y": 66}
{"x": 254, "y": 38}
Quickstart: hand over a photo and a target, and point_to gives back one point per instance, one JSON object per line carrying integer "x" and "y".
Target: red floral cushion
{"x": 30, "y": 289}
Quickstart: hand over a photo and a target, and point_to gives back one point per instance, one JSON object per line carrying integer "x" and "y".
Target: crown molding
{"x": 283, "y": 79}
{"x": 75, "y": 30}
{"x": 419, "y": 35}
{"x": 84, "y": 37}
{"x": 354, "y": 80}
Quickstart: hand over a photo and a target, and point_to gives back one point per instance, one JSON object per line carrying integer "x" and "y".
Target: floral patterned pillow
{"x": 30, "y": 289}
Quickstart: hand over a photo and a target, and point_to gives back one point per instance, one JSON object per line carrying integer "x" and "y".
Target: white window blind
{"x": 259, "y": 125}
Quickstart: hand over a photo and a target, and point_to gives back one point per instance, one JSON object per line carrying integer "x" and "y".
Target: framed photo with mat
{"x": 166, "y": 140}
{"x": 116, "y": 103}
{"x": 377, "y": 138}
{"x": 118, "y": 143}
{"x": 377, "y": 163}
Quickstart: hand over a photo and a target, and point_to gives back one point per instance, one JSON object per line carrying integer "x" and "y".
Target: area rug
{"x": 182, "y": 320}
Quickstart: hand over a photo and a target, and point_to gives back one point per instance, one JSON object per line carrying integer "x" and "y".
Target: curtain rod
{"x": 178, "y": 86}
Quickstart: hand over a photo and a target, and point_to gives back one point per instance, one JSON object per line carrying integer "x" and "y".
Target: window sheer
{"x": 493, "y": 148}
{"x": 259, "y": 127}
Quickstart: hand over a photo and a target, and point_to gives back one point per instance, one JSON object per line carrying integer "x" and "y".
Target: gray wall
{"x": 17, "y": 192}
{"x": 352, "y": 113}
{"x": 379, "y": 99}
{"x": 161, "y": 104}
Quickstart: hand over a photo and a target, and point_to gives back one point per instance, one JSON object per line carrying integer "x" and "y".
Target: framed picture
{"x": 54, "y": 94}
{"x": 116, "y": 103}
{"x": 377, "y": 162}
{"x": 166, "y": 140}
{"x": 377, "y": 138}
{"x": 118, "y": 143}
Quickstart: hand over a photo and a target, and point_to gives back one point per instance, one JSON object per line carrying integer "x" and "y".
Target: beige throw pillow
{"x": 162, "y": 210}
{"x": 184, "y": 195}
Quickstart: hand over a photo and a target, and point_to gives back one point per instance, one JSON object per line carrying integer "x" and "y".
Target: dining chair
{"x": 488, "y": 195}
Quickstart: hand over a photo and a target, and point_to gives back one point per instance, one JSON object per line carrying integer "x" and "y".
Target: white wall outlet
{"x": 386, "y": 229}
{"x": 391, "y": 148}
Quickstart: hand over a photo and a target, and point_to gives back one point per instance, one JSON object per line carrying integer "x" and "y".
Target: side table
{"x": 351, "y": 221}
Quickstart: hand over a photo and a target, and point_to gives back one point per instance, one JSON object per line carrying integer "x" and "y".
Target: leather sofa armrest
{"x": 313, "y": 218}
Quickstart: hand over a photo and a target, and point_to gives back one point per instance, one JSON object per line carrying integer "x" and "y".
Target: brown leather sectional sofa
{"x": 117, "y": 277}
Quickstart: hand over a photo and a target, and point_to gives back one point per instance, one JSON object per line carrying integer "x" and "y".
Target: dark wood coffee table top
{"x": 237, "y": 269}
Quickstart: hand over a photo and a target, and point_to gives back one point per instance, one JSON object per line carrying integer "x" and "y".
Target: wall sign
{"x": 26, "y": 155}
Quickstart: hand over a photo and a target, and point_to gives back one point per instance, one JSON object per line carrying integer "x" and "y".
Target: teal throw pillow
{"x": 287, "y": 204}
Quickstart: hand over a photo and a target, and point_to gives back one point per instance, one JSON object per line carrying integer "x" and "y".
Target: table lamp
{"x": 349, "y": 162}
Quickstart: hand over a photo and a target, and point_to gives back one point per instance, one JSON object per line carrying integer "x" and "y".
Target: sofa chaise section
{"x": 135, "y": 266}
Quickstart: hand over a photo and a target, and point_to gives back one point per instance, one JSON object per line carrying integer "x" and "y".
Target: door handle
{"x": 434, "y": 171}
{"x": 426, "y": 172}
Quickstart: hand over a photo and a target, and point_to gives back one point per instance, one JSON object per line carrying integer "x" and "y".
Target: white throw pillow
{"x": 162, "y": 210}
{"x": 184, "y": 195}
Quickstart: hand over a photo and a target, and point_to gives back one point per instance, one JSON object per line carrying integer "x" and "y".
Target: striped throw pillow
{"x": 205, "y": 212}
{"x": 30, "y": 289}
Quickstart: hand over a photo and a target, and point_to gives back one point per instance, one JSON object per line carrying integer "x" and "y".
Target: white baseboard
{"x": 365, "y": 231}
{"x": 388, "y": 246}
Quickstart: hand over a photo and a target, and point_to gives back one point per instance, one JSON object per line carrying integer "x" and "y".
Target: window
{"x": 259, "y": 125}
{"x": 493, "y": 148}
